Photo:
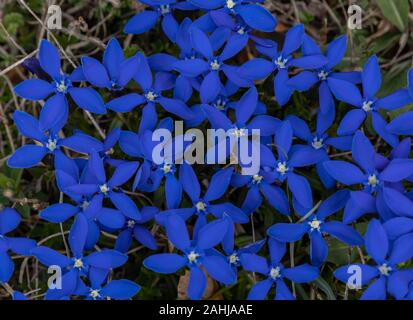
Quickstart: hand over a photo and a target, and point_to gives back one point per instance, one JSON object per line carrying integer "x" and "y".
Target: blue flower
{"x": 280, "y": 62}
{"x": 387, "y": 277}
{"x": 78, "y": 265}
{"x": 234, "y": 255}
{"x": 151, "y": 173}
{"x": 146, "y": 20}
{"x": 196, "y": 253}
{"x": 114, "y": 289}
{"x": 240, "y": 31}
{"x": 289, "y": 158}
{"x": 316, "y": 226}
{"x": 49, "y": 141}
{"x": 152, "y": 94}
{"x": 115, "y": 72}
{"x": 9, "y": 220}
{"x": 70, "y": 173}
{"x": 255, "y": 16}
{"x": 201, "y": 205}
{"x": 307, "y": 79}
{"x": 56, "y": 107}
{"x": 275, "y": 273}
{"x": 103, "y": 188}
{"x": 319, "y": 140}
{"x": 211, "y": 66}
{"x": 380, "y": 189}
{"x": 260, "y": 184}
{"x": 239, "y": 131}
{"x": 367, "y": 103}
{"x": 136, "y": 228}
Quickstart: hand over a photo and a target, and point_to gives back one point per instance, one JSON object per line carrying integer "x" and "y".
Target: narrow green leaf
{"x": 325, "y": 287}
{"x": 396, "y": 11}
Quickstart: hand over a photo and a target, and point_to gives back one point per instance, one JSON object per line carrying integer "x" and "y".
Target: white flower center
{"x": 257, "y": 178}
{"x": 281, "y": 63}
{"x": 78, "y": 263}
{"x": 241, "y": 31}
{"x": 322, "y": 75}
{"x": 192, "y": 256}
{"x": 220, "y": 104}
{"x": 104, "y": 188}
{"x": 367, "y": 106}
{"x": 167, "y": 167}
{"x": 85, "y": 204}
{"x": 51, "y": 144}
{"x": 151, "y": 96}
{"x": 165, "y": 8}
{"x": 215, "y": 65}
{"x": 315, "y": 224}
{"x": 282, "y": 167}
{"x": 230, "y": 4}
{"x": 94, "y": 294}
{"x": 200, "y": 206}
{"x": 233, "y": 258}
{"x": 239, "y": 132}
{"x": 385, "y": 269}
{"x": 317, "y": 143}
{"x": 61, "y": 86}
{"x": 131, "y": 223}
{"x": 275, "y": 273}
{"x": 372, "y": 180}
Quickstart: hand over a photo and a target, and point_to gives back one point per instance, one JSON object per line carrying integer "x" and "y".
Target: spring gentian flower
{"x": 242, "y": 128}
{"x": 152, "y": 95}
{"x": 145, "y": 20}
{"x": 9, "y": 220}
{"x": 275, "y": 273}
{"x": 368, "y": 103}
{"x": 115, "y": 72}
{"x": 316, "y": 226}
{"x": 138, "y": 230}
{"x": 387, "y": 277}
{"x": 379, "y": 189}
{"x": 233, "y": 255}
{"x": 280, "y": 62}
{"x": 49, "y": 142}
{"x": 254, "y": 15}
{"x": 258, "y": 185}
{"x": 56, "y": 107}
{"x": 196, "y": 254}
{"x": 307, "y": 79}
{"x": 319, "y": 140}
{"x": 104, "y": 188}
{"x": 240, "y": 31}
{"x": 201, "y": 205}
{"x": 70, "y": 173}
{"x": 77, "y": 266}
{"x": 210, "y": 66}
{"x": 114, "y": 289}
{"x": 289, "y": 158}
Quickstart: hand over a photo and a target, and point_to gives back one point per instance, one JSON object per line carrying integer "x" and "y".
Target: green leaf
{"x": 325, "y": 287}
{"x": 396, "y": 11}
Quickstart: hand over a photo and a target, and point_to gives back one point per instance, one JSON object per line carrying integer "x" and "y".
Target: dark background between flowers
{"x": 88, "y": 25}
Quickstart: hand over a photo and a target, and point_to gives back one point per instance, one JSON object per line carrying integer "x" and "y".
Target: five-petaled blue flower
{"x": 56, "y": 107}
{"x": 196, "y": 254}
{"x": 386, "y": 275}
{"x": 276, "y": 273}
{"x": 315, "y": 225}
